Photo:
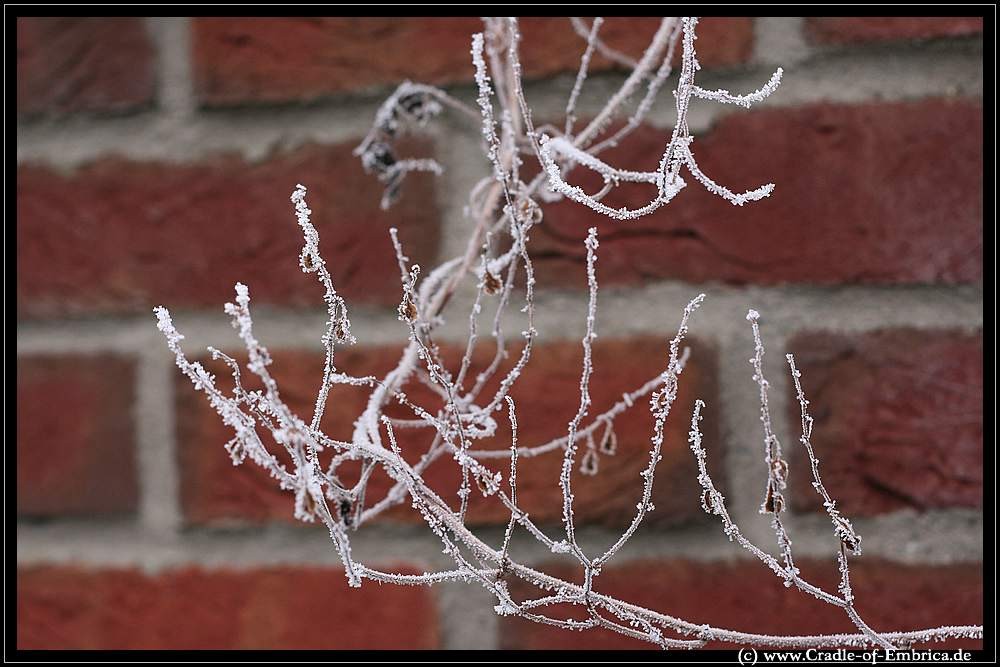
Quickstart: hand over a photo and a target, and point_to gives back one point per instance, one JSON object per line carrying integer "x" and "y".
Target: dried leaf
{"x": 491, "y": 284}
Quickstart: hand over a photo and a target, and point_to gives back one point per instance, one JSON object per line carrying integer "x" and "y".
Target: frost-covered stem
{"x": 488, "y": 282}
{"x": 435, "y": 294}
{"x": 611, "y": 54}
{"x": 517, "y": 87}
{"x": 456, "y": 268}
{"x": 450, "y": 520}
{"x": 408, "y": 313}
{"x": 660, "y": 405}
{"x": 777, "y": 467}
{"x": 713, "y": 502}
{"x": 842, "y": 527}
{"x": 581, "y": 76}
{"x": 495, "y": 34}
{"x": 338, "y": 328}
{"x": 655, "y": 83}
{"x": 519, "y": 232}
{"x": 602, "y": 420}
{"x": 747, "y": 100}
{"x": 774, "y": 503}
{"x": 427, "y": 509}
{"x": 569, "y": 454}
{"x": 437, "y": 511}
{"x": 401, "y": 259}
{"x": 513, "y": 480}
{"x": 642, "y": 69}
{"x": 677, "y": 152}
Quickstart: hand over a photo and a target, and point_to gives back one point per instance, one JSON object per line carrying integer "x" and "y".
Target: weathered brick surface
{"x": 547, "y": 397}
{"x": 877, "y": 193}
{"x": 853, "y": 30}
{"x": 83, "y": 64}
{"x": 122, "y": 236}
{"x": 746, "y": 596}
{"x": 75, "y": 436}
{"x": 239, "y": 61}
{"x": 898, "y": 420}
{"x": 65, "y": 607}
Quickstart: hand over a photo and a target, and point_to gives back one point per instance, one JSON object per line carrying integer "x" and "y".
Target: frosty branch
{"x": 503, "y": 204}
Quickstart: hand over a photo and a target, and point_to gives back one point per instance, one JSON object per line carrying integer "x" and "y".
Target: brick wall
{"x": 155, "y": 160}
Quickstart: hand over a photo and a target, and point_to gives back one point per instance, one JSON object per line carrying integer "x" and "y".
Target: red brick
{"x": 880, "y": 193}
{"x": 122, "y": 236}
{"x": 550, "y": 46}
{"x": 898, "y": 420}
{"x": 65, "y": 607}
{"x": 746, "y": 596}
{"x": 83, "y": 64}
{"x": 238, "y": 61}
{"x": 75, "y": 435}
{"x": 547, "y": 398}
{"x": 853, "y": 29}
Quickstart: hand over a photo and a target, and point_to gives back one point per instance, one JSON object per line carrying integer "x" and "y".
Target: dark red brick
{"x": 854, "y": 29}
{"x": 65, "y": 607}
{"x": 547, "y": 397}
{"x": 122, "y": 236}
{"x": 879, "y": 193}
{"x": 550, "y": 46}
{"x": 239, "y": 61}
{"x": 898, "y": 420}
{"x": 75, "y": 436}
{"x": 84, "y": 64}
{"x": 746, "y": 596}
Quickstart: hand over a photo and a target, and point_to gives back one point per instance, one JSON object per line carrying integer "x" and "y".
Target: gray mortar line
{"x": 933, "y": 537}
{"x": 780, "y": 41}
{"x": 466, "y": 615}
{"x": 158, "y": 471}
{"x": 175, "y": 88}
{"x": 460, "y": 151}
{"x": 651, "y": 309}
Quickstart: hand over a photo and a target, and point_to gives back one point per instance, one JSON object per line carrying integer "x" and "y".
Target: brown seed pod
{"x": 780, "y": 468}
{"x": 346, "y": 511}
{"x": 308, "y": 262}
{"x": 408, "y": 311}
{"x": 847, "y": 534}
{"x": 491, "y": 284}
{"x": 706, "y": 502}
{"x": 309, "y": 504}
{"x": 527, "y": 209}
{"x": 773, "y": 503}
